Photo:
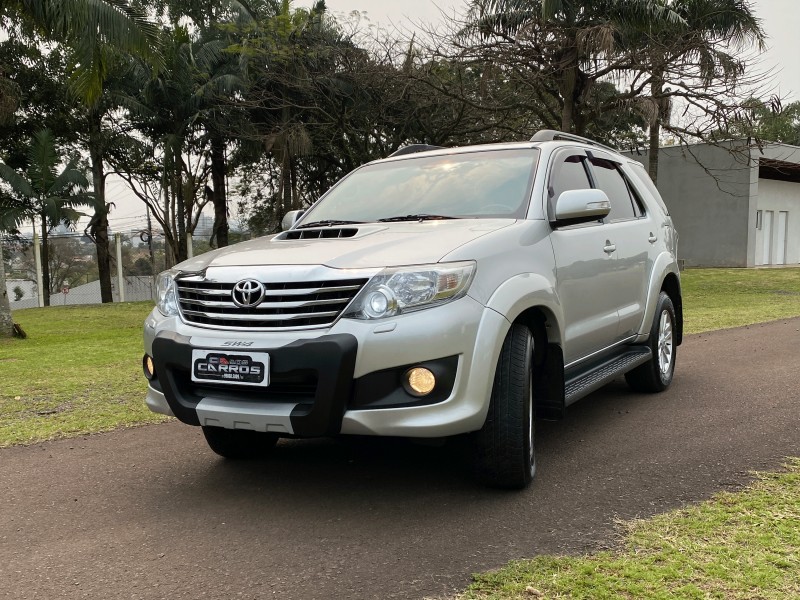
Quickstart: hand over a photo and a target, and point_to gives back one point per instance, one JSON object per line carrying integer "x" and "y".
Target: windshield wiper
{"x": 328, "y": 223}
{"x": 421, "y": 217}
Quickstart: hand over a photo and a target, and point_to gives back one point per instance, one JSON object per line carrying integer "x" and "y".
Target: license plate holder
{"x": 230, "y": 368}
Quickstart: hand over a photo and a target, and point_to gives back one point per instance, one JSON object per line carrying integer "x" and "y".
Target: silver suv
{"x": 435, "y": 293}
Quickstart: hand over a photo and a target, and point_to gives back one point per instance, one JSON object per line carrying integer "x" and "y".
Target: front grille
{"x": 285, "y": 305}
{"x": 293, "y": 387}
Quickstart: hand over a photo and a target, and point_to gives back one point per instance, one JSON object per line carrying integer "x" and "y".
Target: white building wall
{"x": 773, "y": 198}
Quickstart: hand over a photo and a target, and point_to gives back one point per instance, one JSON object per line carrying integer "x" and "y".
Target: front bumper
{"x": 343, "y": 380}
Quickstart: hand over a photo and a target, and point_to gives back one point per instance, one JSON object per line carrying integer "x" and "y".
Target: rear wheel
{"x": 239, "y": 443}
{"x": 504, "y": 448}
{"x": 656, "y": 374}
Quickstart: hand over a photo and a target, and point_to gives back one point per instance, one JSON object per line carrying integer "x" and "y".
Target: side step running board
{"x": 599, "y": 375}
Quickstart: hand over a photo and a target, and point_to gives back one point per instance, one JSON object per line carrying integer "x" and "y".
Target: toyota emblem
{"x": 248, "y": 293}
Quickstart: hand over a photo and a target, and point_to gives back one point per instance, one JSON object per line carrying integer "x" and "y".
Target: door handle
{"x": 609, "y": 247}
{"x": 653, "y": 237}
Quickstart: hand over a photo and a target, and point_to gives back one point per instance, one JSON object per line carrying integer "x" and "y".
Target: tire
{"x": 238, "y": 444}
{"x": 656, "y": 374}
{"x": 504, "y": 448}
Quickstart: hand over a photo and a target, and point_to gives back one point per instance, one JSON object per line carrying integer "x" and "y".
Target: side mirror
{"x": 290, "y": 218}
{"x": 581, "y": 206}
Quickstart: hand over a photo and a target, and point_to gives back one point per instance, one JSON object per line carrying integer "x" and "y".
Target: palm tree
{"x": 711, "y": 35}
{"x": 96, "y": 31}
{"x": 168, "y": 111}
{"x": 574, "y": 41}
{"x": 43, "y": 192}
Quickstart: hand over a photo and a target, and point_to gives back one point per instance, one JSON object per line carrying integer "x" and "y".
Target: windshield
{"x": 484, "y": 184}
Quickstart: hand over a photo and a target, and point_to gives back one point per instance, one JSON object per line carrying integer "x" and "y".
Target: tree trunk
{"x": 656, "y": 95}
{"x": 104, "y": 258}
{"x": 181, "y": 215}
{"x": 568, "y": 92}
{"x": 45, "y": 264}
{"x": 219, "y": 234}
{"x": 170, "y": 248}
{"x": 99, "y": 227}
{"x": 295, "y": 188}
{"x": 652, "y": 153}
{"x": 286, "y": 186}
{"x": 6, "y": 322}
{"x": 569, "y": 79}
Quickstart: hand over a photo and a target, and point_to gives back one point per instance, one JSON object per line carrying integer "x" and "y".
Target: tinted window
{"x": 638, "y": 203}
{"x": 610, "y": 180}
{"x": 568, "y": 174}
{"x": 475, "y": 184}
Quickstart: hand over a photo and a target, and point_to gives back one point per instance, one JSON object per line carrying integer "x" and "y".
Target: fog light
{"x": 148, "y": 367}
{"x": 420, "y": 381}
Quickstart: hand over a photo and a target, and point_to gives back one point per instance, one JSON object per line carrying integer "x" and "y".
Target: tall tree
{"x": 690, "y": 59}
{"x": 44, "y": 192}
{"x": 182, "y": 122}
{"x": 96, "y": 31}
{"x": 565, "y": 47}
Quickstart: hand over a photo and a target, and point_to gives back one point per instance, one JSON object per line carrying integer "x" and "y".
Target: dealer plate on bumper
{"x": 215, "y": 366}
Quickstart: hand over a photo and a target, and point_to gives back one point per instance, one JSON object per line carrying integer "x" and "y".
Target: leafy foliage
{"x": 43, "y": 191}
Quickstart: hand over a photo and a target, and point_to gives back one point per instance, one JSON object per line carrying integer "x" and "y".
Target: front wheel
{"x": 237, "y": 444}
{"x": 656, "y": 374}
{"x": 504, "y": 448}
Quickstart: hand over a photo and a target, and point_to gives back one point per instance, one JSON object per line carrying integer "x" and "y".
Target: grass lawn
{"x": 722, "y": 298}
{"x": 79, "y": 371}
{"x": 736, "y": 546}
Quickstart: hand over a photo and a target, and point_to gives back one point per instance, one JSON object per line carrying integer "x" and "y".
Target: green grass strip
{"x": 740, "y": 545}
{"x": 79, "y": 371}
{"x": 723, "y": 298}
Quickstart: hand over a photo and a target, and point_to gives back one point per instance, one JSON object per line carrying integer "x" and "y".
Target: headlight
{"x": 400, "y": 290}
{"x": 166, "y": 294}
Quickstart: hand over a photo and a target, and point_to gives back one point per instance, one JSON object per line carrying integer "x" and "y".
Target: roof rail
{"x": 412, "y": 148}
{"x": 548, "y": 135}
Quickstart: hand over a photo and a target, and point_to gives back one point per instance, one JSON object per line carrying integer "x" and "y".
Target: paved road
{"x": 150, "y": 513}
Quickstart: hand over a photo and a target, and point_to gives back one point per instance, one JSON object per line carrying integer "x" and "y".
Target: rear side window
{"x": 610, "y": 180}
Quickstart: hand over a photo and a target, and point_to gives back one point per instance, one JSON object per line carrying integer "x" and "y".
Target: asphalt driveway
{"x": 151, "y": 513}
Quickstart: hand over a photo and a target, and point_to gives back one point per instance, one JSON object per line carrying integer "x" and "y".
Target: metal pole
{"x": 189, "y": 249}
{"x": 37, "y": 257}
{"x": 120, "y": 282}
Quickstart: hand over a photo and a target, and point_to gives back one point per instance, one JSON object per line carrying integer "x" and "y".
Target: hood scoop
{"x": 315, "y": 234}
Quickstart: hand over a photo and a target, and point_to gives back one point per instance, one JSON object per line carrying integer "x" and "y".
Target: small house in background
{"x": 733, "y": 205}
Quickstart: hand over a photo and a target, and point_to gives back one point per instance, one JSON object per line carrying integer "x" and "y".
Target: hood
{"x": 370, "y": 245}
